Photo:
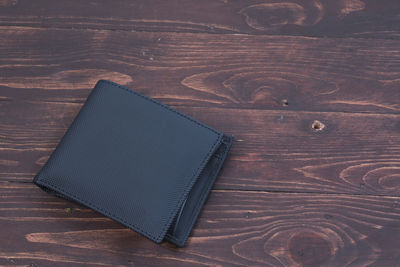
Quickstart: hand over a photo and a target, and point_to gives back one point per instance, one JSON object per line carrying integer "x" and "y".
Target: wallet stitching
{"x": 186, "y": 188}
{"x": 160, "y": 104}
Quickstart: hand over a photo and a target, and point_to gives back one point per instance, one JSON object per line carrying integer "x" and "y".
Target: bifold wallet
{"x": 137, "y": 161}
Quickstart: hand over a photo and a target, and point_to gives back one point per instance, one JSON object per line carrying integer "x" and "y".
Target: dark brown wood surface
{"x": 340, "y": 18}
{"x": 309, "y": 89}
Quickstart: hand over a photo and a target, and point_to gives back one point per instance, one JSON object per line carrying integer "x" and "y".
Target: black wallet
{"x": 137, "y": 161}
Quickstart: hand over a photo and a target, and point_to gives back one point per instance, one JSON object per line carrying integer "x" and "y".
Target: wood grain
{"x": 235, "y": 71}
{"x": 342, "y": 18}
{"x": 313, "y": 175}
{"x": 355, "y": 153}
{"x": 255, "y": 228}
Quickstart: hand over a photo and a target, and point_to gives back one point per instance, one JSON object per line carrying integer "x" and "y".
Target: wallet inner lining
{"x": 182, "y": 224}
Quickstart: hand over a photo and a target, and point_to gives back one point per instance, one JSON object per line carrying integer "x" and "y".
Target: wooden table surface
{"x": 310, "y": 90}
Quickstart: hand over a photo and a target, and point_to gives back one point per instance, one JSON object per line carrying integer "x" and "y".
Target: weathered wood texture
{"x": 355, "y": 18}
{"x": 313, "y": 175}
{"x": 250, "y": 72}
{"x": 235, "y": 229}
{"x": 238, "y": 84}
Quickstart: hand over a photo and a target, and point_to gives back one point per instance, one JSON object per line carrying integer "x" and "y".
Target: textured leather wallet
{"x": 136, "y": 161}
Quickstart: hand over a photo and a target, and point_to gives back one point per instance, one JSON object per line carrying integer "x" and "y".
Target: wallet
{"x": 136, "y": 161}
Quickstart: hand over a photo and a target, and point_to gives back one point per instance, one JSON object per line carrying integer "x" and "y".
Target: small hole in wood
{"x": 285, "y": 102}
{"x": 317, "y": 125}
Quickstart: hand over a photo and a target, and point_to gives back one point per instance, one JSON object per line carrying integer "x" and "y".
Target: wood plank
{"x": 255, "y": 72}
{"x": 235, "y": 229}
{"x": 345, "y": 18}
{"x": 273, "y": 150}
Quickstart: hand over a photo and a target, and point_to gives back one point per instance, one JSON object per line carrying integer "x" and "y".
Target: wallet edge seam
{"x": 160, "y": 104}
